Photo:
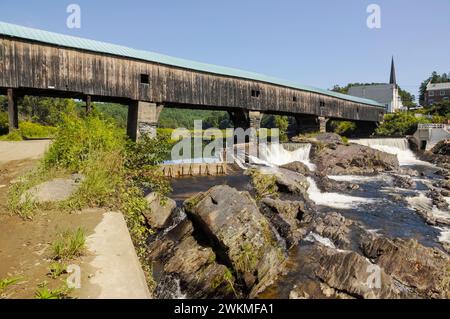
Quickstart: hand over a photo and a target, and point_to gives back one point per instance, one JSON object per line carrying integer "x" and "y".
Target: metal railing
{"x": 428, "y": 126}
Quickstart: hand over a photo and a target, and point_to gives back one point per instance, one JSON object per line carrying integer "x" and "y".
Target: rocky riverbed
{"x": 360, "y": 225}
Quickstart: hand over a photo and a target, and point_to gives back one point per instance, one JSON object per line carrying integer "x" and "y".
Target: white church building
{"x": 385, "y": 93}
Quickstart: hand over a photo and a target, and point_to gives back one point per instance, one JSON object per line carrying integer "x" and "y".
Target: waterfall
{"x": 334, "y": 200}
{"x": 278, "y": 155}
{"x": 395, "y": 146}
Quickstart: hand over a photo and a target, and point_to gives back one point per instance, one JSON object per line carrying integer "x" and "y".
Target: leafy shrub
{"x": 29, "y": 130}
{"x": 400, "y": 124}
{"x": 78, "y": 138}
{"x": 344, "y": 128}
{"x": 4, "y": 123}
{"x": 34, "y": 130}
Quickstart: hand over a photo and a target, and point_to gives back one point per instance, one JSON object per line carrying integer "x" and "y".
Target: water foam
{"x": 273, "y": 155}
{"x": 421, "y": 202}
{"x": 359, "y": 178}
{"x": 334, "y": 200}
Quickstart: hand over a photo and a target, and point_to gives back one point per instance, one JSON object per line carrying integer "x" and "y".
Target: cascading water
{"x": 335, "y": 200}
{"x": 395, "y": 146}
{"x": 276, "y": 155}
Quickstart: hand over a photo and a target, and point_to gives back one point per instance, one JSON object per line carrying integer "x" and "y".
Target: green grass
{"x": 69, "y": 244}
{"x": 30, "y": 130}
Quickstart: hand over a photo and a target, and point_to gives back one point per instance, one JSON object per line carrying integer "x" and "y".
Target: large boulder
{"x": 352, "y": 159}
{"x": 442, "y": 148}
{"x": 241, "y": 235}
{"x": 297, "y": 167}
{"x": 160, "y": 209}
{"x": 424, "y": 269}
{"x": 288, "y": 181}
{"x": 182, "y": 266}
{"x": 349, "y": 273}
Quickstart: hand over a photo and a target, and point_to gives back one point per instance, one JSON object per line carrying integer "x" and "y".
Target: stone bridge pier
{"x": 143, "y": 119}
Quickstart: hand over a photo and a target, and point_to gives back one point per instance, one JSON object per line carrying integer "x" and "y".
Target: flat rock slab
{"x": 56, "y": 190}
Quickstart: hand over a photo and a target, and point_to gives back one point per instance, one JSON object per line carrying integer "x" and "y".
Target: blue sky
{"x": 318, "y": 43}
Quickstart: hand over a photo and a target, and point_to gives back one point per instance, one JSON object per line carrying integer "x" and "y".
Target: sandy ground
{"x": 109, "y": 267}
{"x": 13, "y": 151}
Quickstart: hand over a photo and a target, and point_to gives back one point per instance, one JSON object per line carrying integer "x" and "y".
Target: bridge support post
{"x": 323, "y": 124}
{"x": 254, "y": 118}
{"x": 143, "y": 119}
{"x": 13, "y": 111}
{"x": 88, "y": 104}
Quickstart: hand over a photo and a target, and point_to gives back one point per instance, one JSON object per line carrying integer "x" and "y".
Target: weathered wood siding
{"x": 32, "y": 65}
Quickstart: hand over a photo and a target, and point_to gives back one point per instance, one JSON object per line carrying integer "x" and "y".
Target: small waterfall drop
{"x": 334, "y": 200}
{"x": 278, "y": 154}
{"x": 272, "y": 155}
{"x": 395, "y": 146}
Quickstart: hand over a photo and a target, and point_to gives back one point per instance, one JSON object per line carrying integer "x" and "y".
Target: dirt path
{"x": 109, "y": 266}
{"x": 14, "y": 151}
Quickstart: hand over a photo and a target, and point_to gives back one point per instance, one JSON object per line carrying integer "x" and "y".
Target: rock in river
{"x": 178, "y": 259}
{"x": 354, "y": 159}
{"x": 160, "y": 209}
{"x": 241, "y": 236}
{"x": 425, "y": 270}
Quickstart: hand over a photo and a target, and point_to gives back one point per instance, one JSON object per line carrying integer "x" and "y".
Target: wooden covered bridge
{"x": 41, "y": 63}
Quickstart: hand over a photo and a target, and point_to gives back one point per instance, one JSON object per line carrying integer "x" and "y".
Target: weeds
{"x": 70, "y": 244}
{"x": 6, "y": 282}
{"x": 56, "y": 270}
{"x": 43, "y": 292}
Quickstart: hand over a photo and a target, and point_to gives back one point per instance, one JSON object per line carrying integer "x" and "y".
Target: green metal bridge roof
{"x": 68, "y": 41}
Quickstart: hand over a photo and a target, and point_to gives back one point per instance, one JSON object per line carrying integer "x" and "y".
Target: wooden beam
{"x": 13, "y": 112}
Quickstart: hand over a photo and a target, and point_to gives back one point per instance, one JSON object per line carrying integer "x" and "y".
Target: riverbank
{"x": 108, "y": 266}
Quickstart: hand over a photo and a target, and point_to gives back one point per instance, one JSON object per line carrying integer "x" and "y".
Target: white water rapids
{"x": 395, "y": 146}
{"x": 273, "y": 155}
{"x": 334, "y": 200}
